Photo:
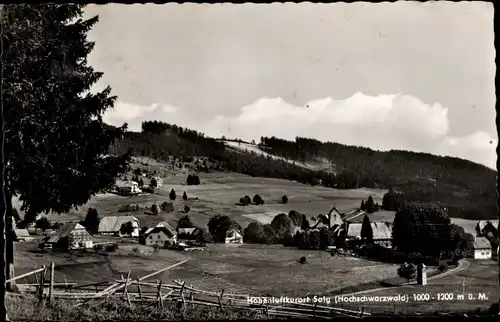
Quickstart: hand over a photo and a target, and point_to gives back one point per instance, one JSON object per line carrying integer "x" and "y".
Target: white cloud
{"x": 381, "y": 122}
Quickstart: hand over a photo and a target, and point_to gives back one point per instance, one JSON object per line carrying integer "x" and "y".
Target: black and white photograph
{"x": 249, "y": 161}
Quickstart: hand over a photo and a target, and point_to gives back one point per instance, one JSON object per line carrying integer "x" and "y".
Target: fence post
{"x": 125, "y": 291}
{"x": 160, "y": 300}
{"x": 139, "y": 288}
{"x": 220, "y": 299}
{"x": 40, "y": 287}
{"x": 51, "y": 290}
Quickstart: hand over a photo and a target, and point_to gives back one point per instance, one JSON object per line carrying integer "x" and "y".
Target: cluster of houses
{"x": 72, "y": 236}
{"x": 131, "y": 187}
{"x": 350, "y": 224}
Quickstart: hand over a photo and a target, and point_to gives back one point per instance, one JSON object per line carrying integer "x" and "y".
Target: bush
{"x": 111, "y": 248}
{"x": 167, "y": 207}
{"x": 247, "y": 198}
{"x": 302, "y": 260}
{"x": 184, "y": 196}
{"x": 98, "y": 248}
{"x": 155, "y": 210}
{"x": 186, "y": 209}
{"x": 258, "y": 200}
{"x": 284, "y": 199}
{"x": 244, "y": 201}
{"x": 443, "y": 267}
{"x": 135, "y": 249}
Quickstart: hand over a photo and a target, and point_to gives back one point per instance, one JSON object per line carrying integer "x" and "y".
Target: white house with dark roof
{"x": 111, "y": 225}
{"x": 482, "y": 248}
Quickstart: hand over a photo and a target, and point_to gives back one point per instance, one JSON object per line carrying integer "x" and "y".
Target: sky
{"x": 405, "y": 75}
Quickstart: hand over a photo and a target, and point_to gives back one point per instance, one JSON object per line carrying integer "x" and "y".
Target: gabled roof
{"x": 354, "y": 230}
{"x": 233, "y": 233}
{"x": 189, "y": 231}
{"x": 158, "y": 229}
{"x": 380, "y": 230}
{"x": 64, "y": 231}
{"x": 482, "y": 223}
{"x": 21, "y": 233}
{"x": 114, "y": 223}
{"x": 166, "y": 225}
{"x": 482, "y": 243}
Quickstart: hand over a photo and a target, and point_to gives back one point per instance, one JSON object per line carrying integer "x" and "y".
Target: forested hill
{"x": 467, "y": 189}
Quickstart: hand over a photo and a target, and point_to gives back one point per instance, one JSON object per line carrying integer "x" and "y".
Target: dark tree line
{"x": 465, "y": 188}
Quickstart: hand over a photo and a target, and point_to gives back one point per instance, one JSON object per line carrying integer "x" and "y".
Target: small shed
{"x": 233, "y": 236}
{"x": 482, "y": 248}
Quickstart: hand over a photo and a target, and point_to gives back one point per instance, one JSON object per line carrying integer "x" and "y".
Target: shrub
{"x": 184, "y": 196}
{"x": 167, "y": 207}
{"x": 192, "y": 180}
{"x": 284, "y": 199}
{"x": 153, "y": 184}
{"x": 186, "y": 209}
{"x": 249, "y": 201}
{"x": 155, "y": 210}
{"x": 443, "y": 267}
{"x": 257, "y": 199}
{"x": 407, "y": 271}
{"x": 135, "y": 249}
{"x": 111, "y": 248}
{"x": 302, "y": 260}
{"x": 98, "y": 248}
{"x": 172, "y": 195}
{"x": 244, "y": 201}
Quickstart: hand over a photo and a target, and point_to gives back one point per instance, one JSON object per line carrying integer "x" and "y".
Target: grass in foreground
{"x": 29, "y": 308}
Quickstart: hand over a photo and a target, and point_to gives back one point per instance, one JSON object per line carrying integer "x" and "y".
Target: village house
{"x": 128, "y": 188}
{"x": 111, "y": 225}
{"x": 70, "y": 236}
{"x": 22, "y": 235}
{"x": 160, "y": 236}
{"x": 482, "y": 248}
{"x": 233, "y": 236}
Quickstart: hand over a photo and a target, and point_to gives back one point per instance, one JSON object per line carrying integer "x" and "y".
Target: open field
{"x": 218, "y": 194}
{"x": 247, "y": 269}
{"x": 480, "y": 277}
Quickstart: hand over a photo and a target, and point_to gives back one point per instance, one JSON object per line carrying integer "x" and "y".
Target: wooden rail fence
{"x": 139, "y": 290}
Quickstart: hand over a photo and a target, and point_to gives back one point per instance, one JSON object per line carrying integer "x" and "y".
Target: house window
{"x": 482, "y": 253}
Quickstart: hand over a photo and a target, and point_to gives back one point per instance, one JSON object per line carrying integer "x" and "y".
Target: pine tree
{"x": 56, "y": 140}
{"x": 362, "y": 205}
{"x": 184, "y": 196}
{"x": 172, "y": 194}
{"x": 366, "y": 230}
{"x": 369, "y": 206}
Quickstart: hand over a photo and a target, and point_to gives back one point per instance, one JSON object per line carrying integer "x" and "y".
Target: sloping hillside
{"x": 467, "y": 189}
